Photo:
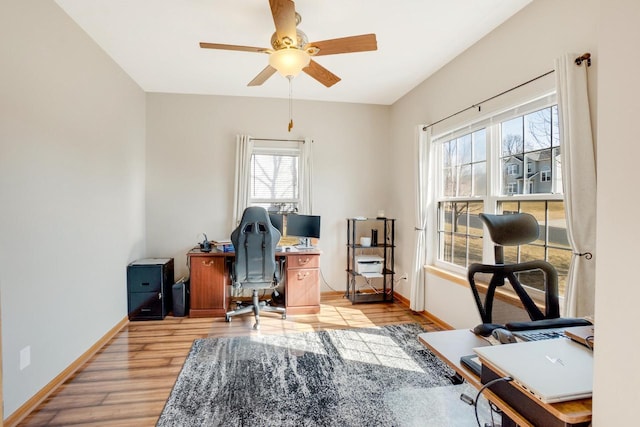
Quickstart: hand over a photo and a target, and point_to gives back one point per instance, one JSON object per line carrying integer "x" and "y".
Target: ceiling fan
{"x": 291, "y": 51}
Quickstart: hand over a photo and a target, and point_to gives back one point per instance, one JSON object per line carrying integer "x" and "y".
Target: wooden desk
{"x": 451, "y": 345}
{"x": 210, "y": 284}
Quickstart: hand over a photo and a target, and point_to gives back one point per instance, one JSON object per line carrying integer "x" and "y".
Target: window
{"x": 534, "y": 139}
{"x": 464, "y": 165}
{"x": 552, "y": 244}
{"x": 460, "y": 232}
{"x": 275, "y": 177}
{"x": 495, "y": 169}
{"x": 464, "y": 177}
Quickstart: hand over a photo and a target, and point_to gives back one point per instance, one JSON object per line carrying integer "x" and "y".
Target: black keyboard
{"x": 540, "y": 334}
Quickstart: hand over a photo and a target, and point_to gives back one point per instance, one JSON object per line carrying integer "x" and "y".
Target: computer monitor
{"x": 277, "y": 220}
{"x": 303, "y": 226}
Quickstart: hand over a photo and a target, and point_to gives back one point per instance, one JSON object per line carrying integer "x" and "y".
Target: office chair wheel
{"x": 256, "y": 326}
{"x": 284, "y": 316}
{"x": 227, "y": 319}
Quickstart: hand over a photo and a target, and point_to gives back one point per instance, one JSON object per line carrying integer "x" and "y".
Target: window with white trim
{"x": 506, "y": 163}
{"x": 275, "y": 180}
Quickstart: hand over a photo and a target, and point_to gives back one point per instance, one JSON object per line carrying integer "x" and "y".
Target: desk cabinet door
{"x": 303, "y": 287}
{"x": 208, "y": 282}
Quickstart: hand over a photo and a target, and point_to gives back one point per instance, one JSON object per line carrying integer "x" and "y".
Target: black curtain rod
{"x": 478, "y": 105}
{"x": 268, "y": 139}
{"x": 585, "y": 57}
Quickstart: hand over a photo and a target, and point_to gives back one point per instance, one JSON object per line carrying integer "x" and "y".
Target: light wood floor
{"x": 129, "y": 380}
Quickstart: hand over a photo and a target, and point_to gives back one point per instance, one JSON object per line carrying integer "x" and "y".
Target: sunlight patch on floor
{"x": 374, "y": 349}
{"x": 295, "y": 342}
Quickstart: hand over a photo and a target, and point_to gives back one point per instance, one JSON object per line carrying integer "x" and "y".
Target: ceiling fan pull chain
{"x": 290, "y": 78}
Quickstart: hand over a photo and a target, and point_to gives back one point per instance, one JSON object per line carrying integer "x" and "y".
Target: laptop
{"x": 553, "y": 370}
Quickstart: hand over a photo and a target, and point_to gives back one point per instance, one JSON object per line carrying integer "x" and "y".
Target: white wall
{"x": 191, "y": 166}
{"x": 72, "y": 136}
{"x": 616, "y": 393}
{"x": 517, "y": 51}
{"x": 72, "y": 175}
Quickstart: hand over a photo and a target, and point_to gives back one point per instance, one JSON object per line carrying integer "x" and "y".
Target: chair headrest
{"x": 511, "y": 229}
{"x": 255, "y": 214}
{"x": 255, "y": 221}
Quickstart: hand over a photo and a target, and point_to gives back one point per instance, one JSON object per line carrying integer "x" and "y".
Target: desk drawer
{"x": 303, "y": 261}
{"x": 303, "y": 287}
{"x": 144, "y": 278}
{"x": 146, "y": 306}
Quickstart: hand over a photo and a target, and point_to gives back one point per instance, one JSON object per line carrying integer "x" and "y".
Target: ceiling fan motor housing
{"x": 286, "y": 43}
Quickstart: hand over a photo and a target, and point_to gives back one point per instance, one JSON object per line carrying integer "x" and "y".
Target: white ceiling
{"x": 156, "y": 42}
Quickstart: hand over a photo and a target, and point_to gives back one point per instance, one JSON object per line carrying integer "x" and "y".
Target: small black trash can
{"x": 180, "y": 294}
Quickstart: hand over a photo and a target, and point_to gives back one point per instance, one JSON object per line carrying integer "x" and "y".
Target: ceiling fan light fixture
{"x": 290, "y": 61}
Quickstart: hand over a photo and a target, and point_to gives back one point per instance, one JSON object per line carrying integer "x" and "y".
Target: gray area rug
{"x": 378, "y": 376}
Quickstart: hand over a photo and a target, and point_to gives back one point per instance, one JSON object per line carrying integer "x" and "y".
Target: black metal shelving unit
{"x": 367, "y": 287}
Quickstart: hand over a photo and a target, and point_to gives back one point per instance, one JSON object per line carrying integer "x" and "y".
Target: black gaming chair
{"x": 255, "y": 265}
{"x": 512, "y": 230}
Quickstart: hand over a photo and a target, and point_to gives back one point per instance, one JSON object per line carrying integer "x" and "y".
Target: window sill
{"x": 508, "y": 295}
{"x": 447, "y": 275}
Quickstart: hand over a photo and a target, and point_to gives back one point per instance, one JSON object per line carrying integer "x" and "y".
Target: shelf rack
{"x": 360, "y": 287}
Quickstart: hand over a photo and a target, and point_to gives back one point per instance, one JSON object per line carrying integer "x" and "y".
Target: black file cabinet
{"x": 149, "y": 283}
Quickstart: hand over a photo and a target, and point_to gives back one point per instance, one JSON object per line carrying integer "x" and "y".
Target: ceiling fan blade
{"x": 233, "y": 47}
{"x": 321, "y": 74}
{"x": 262, "y": 76}
{"x": 361, "y": 43}
{"x": 284, "y": 17}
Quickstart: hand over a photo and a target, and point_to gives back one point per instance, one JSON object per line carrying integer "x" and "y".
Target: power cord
{"x": 327, "y": 283}
{"x": 471, "y": 401}
{"x": 589, "y": 341}
{"x": 483, "y": 388}
{"x": 373, "y": 288}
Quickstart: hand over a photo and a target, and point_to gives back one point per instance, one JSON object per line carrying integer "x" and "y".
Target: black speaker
{"x": 180, "y": 294}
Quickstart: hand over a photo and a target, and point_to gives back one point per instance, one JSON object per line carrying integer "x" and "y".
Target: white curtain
{"x": 244, "y": 148}
{"x": 579, "y": 180}
{"x": 421, "y": 171}
{"x": 306, "y": 173}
